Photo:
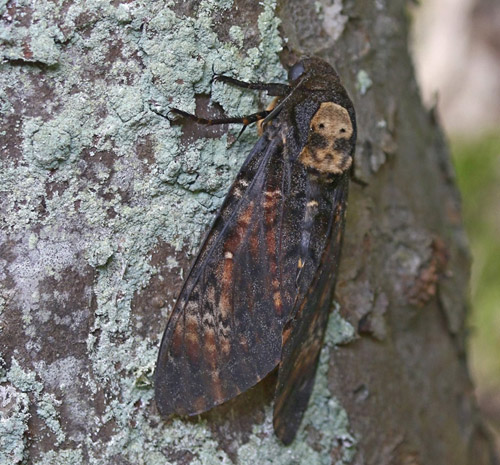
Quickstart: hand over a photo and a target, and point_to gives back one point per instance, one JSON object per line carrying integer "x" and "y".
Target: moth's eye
{"x": 296, "y": 71}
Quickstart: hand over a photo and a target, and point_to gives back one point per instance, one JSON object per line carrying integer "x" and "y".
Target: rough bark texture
{"x": 103, "y": 203}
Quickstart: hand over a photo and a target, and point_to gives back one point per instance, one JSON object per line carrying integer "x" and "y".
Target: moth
{"x": 258, "y": 295}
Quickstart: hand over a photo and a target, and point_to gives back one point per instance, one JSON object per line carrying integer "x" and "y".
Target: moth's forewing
{"x": 224, "y": 334}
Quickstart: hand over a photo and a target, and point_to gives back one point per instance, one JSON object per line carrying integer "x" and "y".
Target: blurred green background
{"x": 477, "y": 163}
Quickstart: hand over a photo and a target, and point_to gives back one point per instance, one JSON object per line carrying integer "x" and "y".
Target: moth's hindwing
{"x": 259, "y": 292}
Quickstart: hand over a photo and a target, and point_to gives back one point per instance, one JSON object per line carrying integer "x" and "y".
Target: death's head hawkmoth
{"x": 259, "y": 293}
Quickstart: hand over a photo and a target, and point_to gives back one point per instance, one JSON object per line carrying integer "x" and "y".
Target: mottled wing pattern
{"x": 303, "y": 335}
{"x": 224, "y": 334}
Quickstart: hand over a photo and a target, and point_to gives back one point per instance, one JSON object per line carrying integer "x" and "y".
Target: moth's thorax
{"x": 327, "y": 149}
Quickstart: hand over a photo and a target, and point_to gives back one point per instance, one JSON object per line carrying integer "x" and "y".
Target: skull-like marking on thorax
{"x": 327, "y": 149}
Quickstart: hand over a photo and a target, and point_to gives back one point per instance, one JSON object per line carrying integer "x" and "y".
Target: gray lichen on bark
{"x": 104, "y": 202}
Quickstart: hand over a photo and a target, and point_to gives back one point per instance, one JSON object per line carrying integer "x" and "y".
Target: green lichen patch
{"x": 25, "y": 381}
{"x": 14, "y": 417}
{"x": 61, "y": 457}
{"x": 363, "y": 82}
{"x": 14, "y": 408}
{"x": 46, "y": 409}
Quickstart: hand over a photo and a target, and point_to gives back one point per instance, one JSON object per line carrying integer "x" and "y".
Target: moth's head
{"x": 310, "y": 66}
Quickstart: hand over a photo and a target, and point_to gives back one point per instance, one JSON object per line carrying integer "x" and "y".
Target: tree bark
{"x": 104, "y": 202}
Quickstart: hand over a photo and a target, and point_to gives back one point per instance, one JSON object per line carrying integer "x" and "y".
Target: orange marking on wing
{"x": 225, "y": 303}
{"x": 278, "y": 304}
{"x": 254, "y": 242}
{"x": 192, "y": 339}
{"x": 338, "y": 239}
{"x": 271, "y": 249}
{"x": 217, "y": 391}
{"x": 270, "y": 206}
{"x": 246, "y": 216}
{"x": 244, "y": 343}
{"x": 225, "y": 346}
{"x": 234, "y": 240}
{"x": 286, "y": 334}
{"x": 211, "y": 348}
{"x": 232, "y": 243}
{"x": 271, "y": 198}
{"x": 177, "y": 341}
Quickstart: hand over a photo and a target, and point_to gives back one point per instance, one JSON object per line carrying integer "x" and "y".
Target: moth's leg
{"x": 245, "y": 120}
{"x": 273, "y": 89}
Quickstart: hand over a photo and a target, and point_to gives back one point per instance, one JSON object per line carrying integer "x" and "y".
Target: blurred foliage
{"x": 477, "y": 162}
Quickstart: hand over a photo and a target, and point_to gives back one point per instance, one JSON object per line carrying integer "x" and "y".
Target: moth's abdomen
{"x": 328, "y": 148}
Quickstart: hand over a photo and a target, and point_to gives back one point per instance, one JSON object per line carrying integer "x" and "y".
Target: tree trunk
{"x": 104, "y": 203}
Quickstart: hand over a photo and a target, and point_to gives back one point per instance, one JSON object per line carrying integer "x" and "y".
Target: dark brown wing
{"x": 303, "y": 335}
{"x": 224, "y": 334}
